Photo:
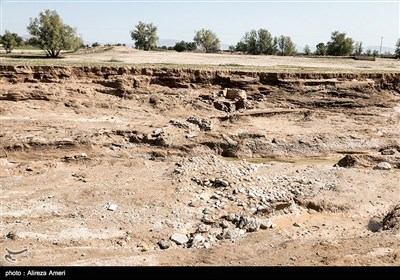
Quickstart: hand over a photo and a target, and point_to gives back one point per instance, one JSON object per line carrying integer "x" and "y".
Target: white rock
{"x": 179, "y": 238}
{"x": 203, "y": 228}
{"x": 112, "y": 207}
{"x": 383, "y": 166}
{"x": 266, "y": 224}
{"x": 6, "y": 164}
{"x": 198, "y": 238}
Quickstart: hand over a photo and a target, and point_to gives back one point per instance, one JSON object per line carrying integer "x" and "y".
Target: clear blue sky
{"x": 306, "y": 22}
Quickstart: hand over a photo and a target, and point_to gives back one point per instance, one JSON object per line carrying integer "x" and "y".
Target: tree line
{"x": 49, "y": 33}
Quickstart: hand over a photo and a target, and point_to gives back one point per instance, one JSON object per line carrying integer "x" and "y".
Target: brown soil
{"x": 251, "y": 177}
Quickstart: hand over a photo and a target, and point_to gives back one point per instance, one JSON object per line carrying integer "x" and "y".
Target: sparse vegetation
{"x": 307, "y": 50}
{"x": 286, "y": 46}
{"x": 10, "y": 40}
{"x": 52, "y": 34}
{"x": 257, "y": 42}
{"x": 358, "y": 49}
{"x": 207, "y": 40}
{"x": 145, "y": 36}
{"x": 183, "y": 46}
{"x": 397, "y": 50}
{"x": 339, "y": 45}
{"x": 262, "y": 42}
{"x": 320, "y": 49}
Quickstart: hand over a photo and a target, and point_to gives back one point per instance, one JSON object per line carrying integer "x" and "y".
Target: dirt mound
{"x": 392, "y": 219}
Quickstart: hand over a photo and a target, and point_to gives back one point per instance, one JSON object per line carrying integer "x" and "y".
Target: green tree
{"x": 145, "y": 36}
{"x": 207, "y": 39}
{"x": 19, "y": 40}
{"x": 240, "y": 47}
{"x": 8, "y": 41}
{"x": 32, "y": 41}
{"x": 180, "y": 46}
{"x": 307, "y": 50}
{"x": 232, "y": 48}
{"x": 250, "y": 44}
{"x": 286, "y": 46}
{"x": 265, "y": 43}
{"x": 358, "y": 49}
{"x": 320, "y": 49}
{"x": 397, "y": 50}
{"x": 258, "y": 42}
{"x": 339, "y": 45}
{"x": 185, "y": 46}
{"x": 52, "y": 34}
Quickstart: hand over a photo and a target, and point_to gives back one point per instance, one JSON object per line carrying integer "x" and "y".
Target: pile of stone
{"x": 236, "y": 200}
{"x": 193, "y": 122}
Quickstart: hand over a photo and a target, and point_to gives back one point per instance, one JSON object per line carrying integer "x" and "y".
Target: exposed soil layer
{"x": 161, "y": 166}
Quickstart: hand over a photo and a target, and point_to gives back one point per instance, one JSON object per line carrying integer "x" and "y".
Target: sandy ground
{"x": 69, "y": 155}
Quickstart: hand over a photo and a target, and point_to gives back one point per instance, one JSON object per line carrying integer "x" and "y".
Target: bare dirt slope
{"x": 152, "y": 166}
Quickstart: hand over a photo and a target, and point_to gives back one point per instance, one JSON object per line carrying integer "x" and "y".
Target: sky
{"x": 306, "y": 22}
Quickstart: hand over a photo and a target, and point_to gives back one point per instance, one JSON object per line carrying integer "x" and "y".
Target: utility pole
{"x": 380, "y": 49}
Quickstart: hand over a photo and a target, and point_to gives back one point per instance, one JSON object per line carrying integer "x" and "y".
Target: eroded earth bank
{"x": 152, "y": 166}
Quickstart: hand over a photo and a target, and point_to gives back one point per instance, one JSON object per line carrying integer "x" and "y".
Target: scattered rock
{"x": 233, "y": 94}
{"x": 347, "y": 161}
{"x": 296, "y": 224}
{"x": 248, "y": 223}
{"x": 388, "y": 152}
{"x": 225, "y": 224}
{"x": 112, "y": 207}
{"x": 180, "y": 124}
{"x": 383, "y": 166}
{"x": 232, "y": 218}
{"x": 197, "y": 240}
{"x": 203, "y": 124}
{"x": 220, "y": 183}
{"x": 203, "y": 228}
{"x": 163, "y": 244}
{"x": 266, "y": 224}
{"x": 224, "y": 106}
{"x": 145, "y": 248}
{"x": 6, "y": 164}
{"x": 232, "y": 233}
{"x": 392, "y": 219}
{"x": 207, "y": 220}
{"x": 179, "y": 238}
{"x": 375, "y": 224}
{"x": 12, "y": 235}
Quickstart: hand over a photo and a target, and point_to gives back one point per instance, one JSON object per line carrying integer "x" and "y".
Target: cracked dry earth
{"x": 136, "y": 168}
